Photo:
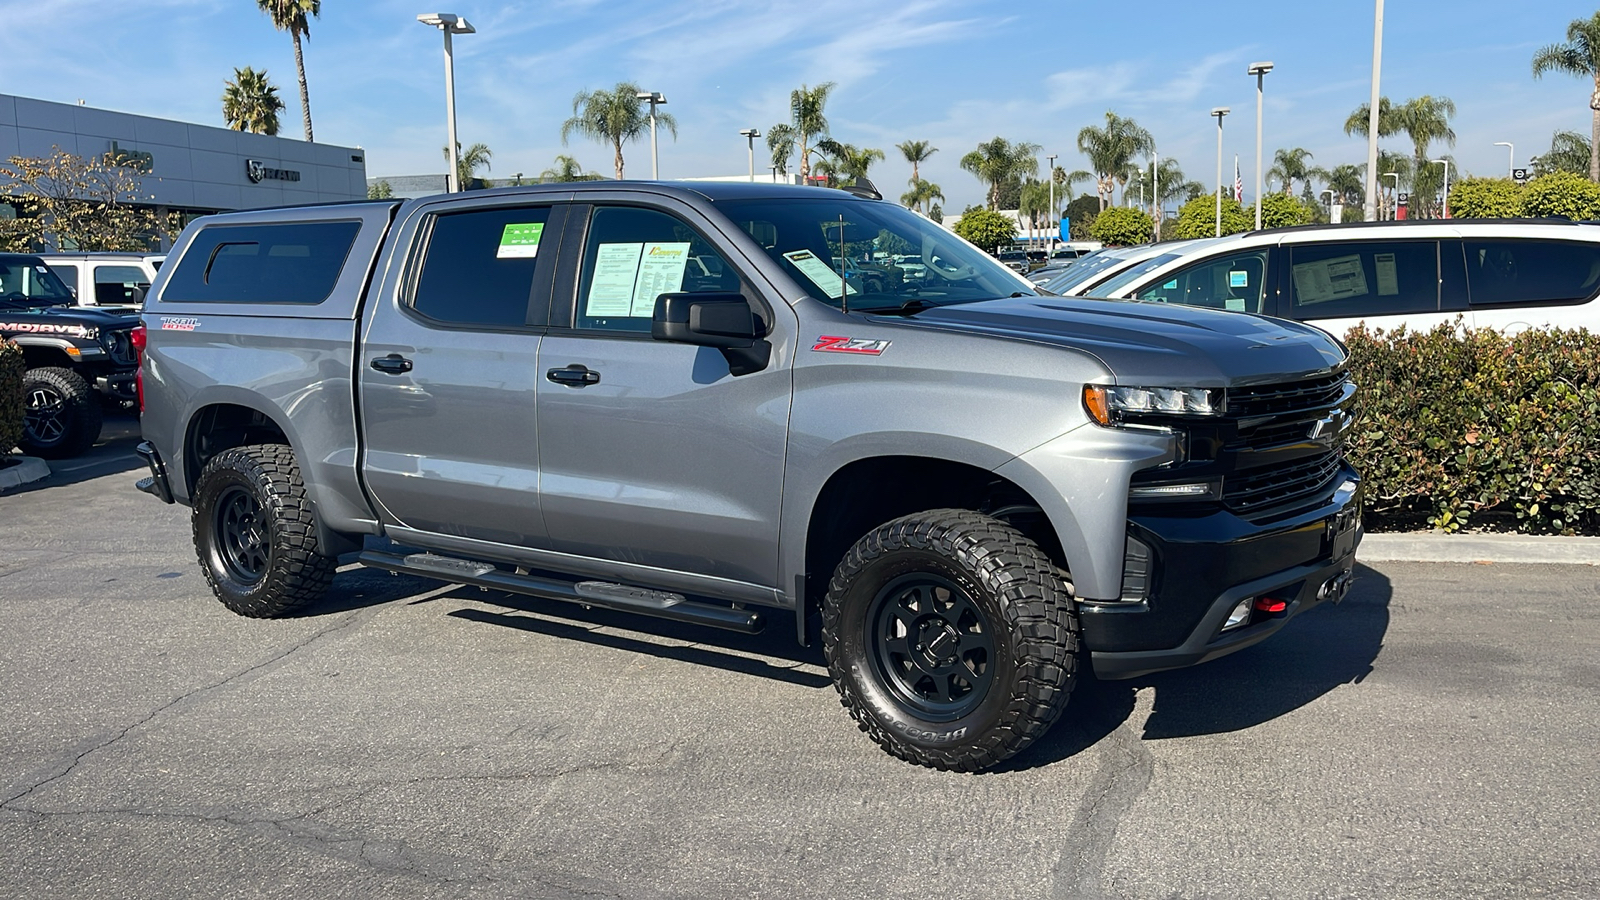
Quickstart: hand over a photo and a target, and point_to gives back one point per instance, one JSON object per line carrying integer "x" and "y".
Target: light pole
{"x": 1446, "y": 164}
{"x": 654, "y": 98}
{"x": 1155, "y": 190}
{"x": 1330, "y": 206}
{"x": 449, "y": 23}
{"x": 1259, "y": 70}
{"x": 1511, "y": 153}
{"x": 1370, "y": 213}
{"x": 1219, "y": 112}
{"x": 1396, "y": 177}
{"x": 1055, "y": 214}
{"x": 750, "y": 136}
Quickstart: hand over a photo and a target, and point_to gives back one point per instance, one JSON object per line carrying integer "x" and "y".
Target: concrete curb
{"x": 1497, "y": 548}
{"x": 28, "y": 469}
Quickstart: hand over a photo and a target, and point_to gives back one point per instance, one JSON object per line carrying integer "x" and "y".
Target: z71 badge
{"x": 829, "y": 344}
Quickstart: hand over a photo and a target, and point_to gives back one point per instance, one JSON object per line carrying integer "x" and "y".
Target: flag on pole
{"x": 1238, "y": 184}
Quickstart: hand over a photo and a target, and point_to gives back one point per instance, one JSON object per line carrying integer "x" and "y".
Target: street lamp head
{"x": 749, "y": 133}
{"x": 449, "y": 22}
{"x": 1259, "y": 68}
{"x": 1220, "y": 111}
{"x": 1502, "y": 143}
{"x": 653, "y": 97}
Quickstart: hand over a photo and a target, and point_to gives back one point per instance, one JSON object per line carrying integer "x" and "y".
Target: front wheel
{"x": 62, "y": 416}
{"x": 255, "y": 535}
{"x": 951, "y": 638}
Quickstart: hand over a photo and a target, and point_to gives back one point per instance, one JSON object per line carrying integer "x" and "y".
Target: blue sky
{"x": 954, "y": 73}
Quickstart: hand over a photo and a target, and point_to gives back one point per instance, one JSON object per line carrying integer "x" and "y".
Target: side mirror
{"x": 721, "y": 320}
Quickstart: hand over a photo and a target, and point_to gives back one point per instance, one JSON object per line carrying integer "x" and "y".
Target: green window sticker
{"x": 520, "y": 241}
{"x": 1238, "y": 279}
{"x": 1171, "y": 285}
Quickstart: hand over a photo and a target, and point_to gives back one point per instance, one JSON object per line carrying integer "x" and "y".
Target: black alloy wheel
{"x": 45, "y": 422}
{"x": 243, "y": 545}
{"x": 931, "y": 645}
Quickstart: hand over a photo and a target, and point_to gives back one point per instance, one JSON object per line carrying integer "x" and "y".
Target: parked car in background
{"x": 1015, "y": 260}
{"x": 1419, "y": 274}
{"x": 1099, "y": 266}
{"x": 1049, "y": 272}
{"x": 104, "y": 279}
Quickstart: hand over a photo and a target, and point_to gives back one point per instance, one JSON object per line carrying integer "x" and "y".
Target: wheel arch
{"x": 222, "y": 424}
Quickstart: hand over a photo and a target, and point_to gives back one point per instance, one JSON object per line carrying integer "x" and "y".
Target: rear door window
{"x": 1235, "y": 283}
{"x": 68, "y": 274}
{"x": 1531, "y": 272}
{"x": 120, "y": 285}
{"x": 479, "y": 267}
{"x": 1368, "y": 278}
{"x": 280, "y": 262}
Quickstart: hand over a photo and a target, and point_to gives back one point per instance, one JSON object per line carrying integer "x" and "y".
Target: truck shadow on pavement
{"x": 111, "y": 454}
{"x": 1315, "y": 653}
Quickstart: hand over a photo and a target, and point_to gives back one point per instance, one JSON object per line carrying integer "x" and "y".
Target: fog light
{"x": 1239, "y": 617}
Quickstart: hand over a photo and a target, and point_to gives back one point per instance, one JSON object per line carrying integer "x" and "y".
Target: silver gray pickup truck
{"x": 687, "y": 401}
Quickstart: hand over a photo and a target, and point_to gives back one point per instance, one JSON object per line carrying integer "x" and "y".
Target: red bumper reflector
{"x": 1269, "y": 605}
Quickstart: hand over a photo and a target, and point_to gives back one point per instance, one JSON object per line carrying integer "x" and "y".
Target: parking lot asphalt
{"x": 1435, "y": 735}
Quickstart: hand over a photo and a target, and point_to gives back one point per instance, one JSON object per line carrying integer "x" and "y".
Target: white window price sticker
{"x": 616, "y": 269}
{"x": 820, "y": 273}
{"x": 520, "y": 240}
{"x": 1388, "y": 281}
{"x": 1329, "y": 279}
{"x": 660, "y": 272}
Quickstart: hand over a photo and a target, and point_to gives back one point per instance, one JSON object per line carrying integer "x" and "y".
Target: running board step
{"x": 620, "y": 597}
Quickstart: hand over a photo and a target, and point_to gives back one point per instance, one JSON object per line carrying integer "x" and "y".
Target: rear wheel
{"x": 951, "y": 638}
{"x": 62, "y": 416}
{"x": 255, "y": 535}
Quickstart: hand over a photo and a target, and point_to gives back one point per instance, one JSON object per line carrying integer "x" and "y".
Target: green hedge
{"x": 11, "y": 401}
{"x": 1478, "y": 430}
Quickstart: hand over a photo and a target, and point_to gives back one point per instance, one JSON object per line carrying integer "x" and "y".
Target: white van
{"x": 1506, "y": 274}
{"x": 104, "y": 279}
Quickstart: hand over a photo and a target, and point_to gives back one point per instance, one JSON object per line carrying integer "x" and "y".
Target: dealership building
{"x": 189, "y": 169}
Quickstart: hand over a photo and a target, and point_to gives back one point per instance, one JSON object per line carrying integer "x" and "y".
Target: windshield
{"x": 1084, "y": 269}
{"x": 29, "y": 282}
{"x": 878, "y": 255}
{"x": 1121, "y": 279}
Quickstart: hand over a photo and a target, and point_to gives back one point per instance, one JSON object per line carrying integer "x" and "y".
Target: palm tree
{"x": 250, "y": 102}
{"x": 1290, "y": 166}
{"x": 1569, "y": 152}
{"x": 1033, "y": 203}
{"x": 806, "y": 106}
{"x": 615, "y": 117}
{"x": 1111, "y": 150}
{"x": 1579, "y": 56}
{"x": 921, "y": 192}
{"x": 780, "y": 142}
{"x": 1424, "y": 119}
{"x": 294, "y": 16}
{"x": 916, "y": 152}
{"x": 565, "y": 169}
{"x": 997, "y": 161}
{"x": 846, "y": 162}
{"x": 1349, "y": 183}
{"x": 468, "y": 163}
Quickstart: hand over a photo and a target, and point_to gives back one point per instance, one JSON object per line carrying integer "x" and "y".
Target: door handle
{"x": 393, "y": 364}
{"x": 574, "y": 376}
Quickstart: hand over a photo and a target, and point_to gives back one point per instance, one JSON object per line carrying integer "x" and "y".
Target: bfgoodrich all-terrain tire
{"x": 254, "y": 533}
{"x": 951, "y": 638}
{"x": 61, "y": 415}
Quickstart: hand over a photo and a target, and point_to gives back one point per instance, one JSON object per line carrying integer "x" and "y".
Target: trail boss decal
{"x": 44, "y": 328}
{"x": 829, "y": 344}
{"x": 179, "y": 323}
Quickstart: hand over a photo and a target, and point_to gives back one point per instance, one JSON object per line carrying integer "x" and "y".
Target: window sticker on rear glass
{"x": 1339, "y": 278}
{"x": 1238, "y": 279}
{"x": 1388, "y": 283}
{"x": 520, "y": 240}
{"x": 820, "y": 273}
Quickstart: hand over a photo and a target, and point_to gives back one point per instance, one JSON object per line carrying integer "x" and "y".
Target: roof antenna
{"x": 844, "y": 287}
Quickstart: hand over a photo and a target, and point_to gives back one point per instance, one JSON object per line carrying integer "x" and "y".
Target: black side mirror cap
{"x": 723, "y": 320}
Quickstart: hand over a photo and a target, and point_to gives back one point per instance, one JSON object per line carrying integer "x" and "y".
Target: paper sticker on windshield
{"x": 520, "y": 240}
{"x": 1238, "y": 278}
{"x": 820, "y": 273}
{"x": 1388, "y": 282}
{"x": 1234, "y": 304}
{"x": 660, "y": 272}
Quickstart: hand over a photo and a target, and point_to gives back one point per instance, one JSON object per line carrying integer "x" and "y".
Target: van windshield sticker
{"x": 520, "y": 240}
{"x": 820, "y": 273}
{"x": 1339, "y": 278}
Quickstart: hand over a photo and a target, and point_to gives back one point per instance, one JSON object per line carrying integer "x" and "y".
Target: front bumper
{"x": 1204, "y": 566}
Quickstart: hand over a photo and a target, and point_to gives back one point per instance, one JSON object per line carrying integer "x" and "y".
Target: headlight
{"x": 91, "y": 333}
{"x": 1108, "y": 405}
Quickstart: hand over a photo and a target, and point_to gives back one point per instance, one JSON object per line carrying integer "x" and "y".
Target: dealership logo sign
{"x": 259, "y": 171}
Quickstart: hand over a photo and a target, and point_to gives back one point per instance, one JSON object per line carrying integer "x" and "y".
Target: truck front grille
{"x": 1288, "y": 397}
{"x": 1261, "y": 489}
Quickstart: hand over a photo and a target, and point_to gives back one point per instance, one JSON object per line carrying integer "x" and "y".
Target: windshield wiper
{"x": 910, "y": 307}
